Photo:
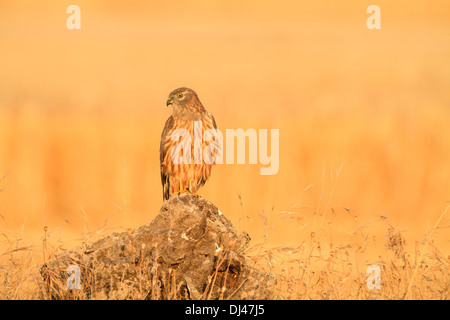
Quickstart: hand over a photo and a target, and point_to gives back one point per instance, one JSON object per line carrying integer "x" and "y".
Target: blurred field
{"x": 363, "y": 116}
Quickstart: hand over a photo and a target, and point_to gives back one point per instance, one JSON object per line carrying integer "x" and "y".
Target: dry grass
{"x": 318, "y": 268}
{"x": 363, "y": 118}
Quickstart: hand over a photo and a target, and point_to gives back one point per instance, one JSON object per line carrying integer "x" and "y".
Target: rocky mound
{"x": 189, "y": 251}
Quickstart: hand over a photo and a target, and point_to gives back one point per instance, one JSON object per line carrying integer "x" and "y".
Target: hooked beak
{"x": 169, "y": 102}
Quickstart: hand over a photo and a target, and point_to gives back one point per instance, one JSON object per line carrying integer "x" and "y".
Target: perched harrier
{"x": 190, "y": 115}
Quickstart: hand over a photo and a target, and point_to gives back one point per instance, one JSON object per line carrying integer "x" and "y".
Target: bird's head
{"x": 184, "y": 100}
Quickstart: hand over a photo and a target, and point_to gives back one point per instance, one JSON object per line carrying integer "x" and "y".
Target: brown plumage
{"x": 187, "y": 109}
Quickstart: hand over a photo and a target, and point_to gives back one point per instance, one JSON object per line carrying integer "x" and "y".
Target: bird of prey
{"x": 190, "y": 115}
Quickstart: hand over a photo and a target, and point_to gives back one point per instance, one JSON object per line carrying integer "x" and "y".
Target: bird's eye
{"x": 180, "y": 95}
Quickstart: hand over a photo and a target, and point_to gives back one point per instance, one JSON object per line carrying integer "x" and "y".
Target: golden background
{"x": 364, "y": 115}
